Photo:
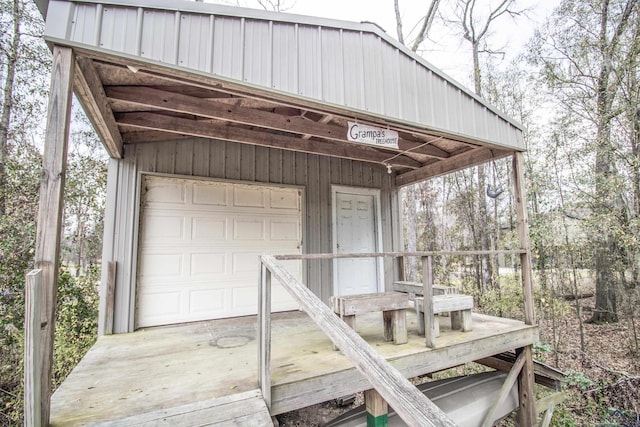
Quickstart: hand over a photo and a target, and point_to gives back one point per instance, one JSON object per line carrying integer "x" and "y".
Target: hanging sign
{"x": 372, "y": 135}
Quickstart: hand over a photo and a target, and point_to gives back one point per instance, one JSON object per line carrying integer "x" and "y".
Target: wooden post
{"x": 109, "y": 298}
{"x": 54, "y": 164}
{"x": 427, "y": 294}
{"x": 32, "y": 325}
{"x": 377, "y": 409}
{"x": 264, "y": 331}
{"x": 527, "y": 412}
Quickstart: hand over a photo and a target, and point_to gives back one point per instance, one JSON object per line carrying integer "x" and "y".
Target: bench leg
{"x": 456, "y": 320}
{"x": 350, "y": 321}
{"x": 395, "y": 326}
{"x": 387, "y": 320}
{"x": 436, "y": 325}
{"x": 420, "y": 320}
{"x": 461, "y": 320}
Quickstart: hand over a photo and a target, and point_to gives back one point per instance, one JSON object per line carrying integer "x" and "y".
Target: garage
{"x": 199, "y": 243}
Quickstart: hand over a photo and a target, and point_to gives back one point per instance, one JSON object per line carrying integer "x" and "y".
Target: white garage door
{"x": 199, "y": 246}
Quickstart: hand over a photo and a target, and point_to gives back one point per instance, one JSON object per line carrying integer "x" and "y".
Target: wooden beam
{"x": 91, "y": 95}
{"x": 54, "y": 163}
{"x": 427, "y": 293}
{"x": 527, "y": 413}
{"x": 32, "y": 325}
{"x": 264, "y": 334}
{"x": 467, "y": 159}
{"x": 170, "y": 101}
{"x": 512, "y": 377}
{"x": 409, "y": 403}
{"x": 110, "y": 298}
{"x": 377, "y": 409}
{"x": 207, "y": 129}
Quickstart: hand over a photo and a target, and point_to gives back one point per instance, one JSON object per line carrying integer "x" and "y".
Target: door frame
{"x": 377, "y": 215}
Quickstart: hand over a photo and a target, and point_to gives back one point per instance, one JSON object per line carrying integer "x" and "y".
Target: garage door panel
{"x": 207, "y": 264}
{"x": 248, "y": 229}
{"x": 169, "y": 191}
{"x": 160, "y": 305}
{"x": 210, "y": 194}
{"x": 164, "y": 227}
{"x": 209, "y": 229}
{"x": 162, "y": 265}
{"x": 284, "y": 200}
{"x": 207, "y": 301}
{"x": 285, "y": 230}
{"x": 245, "y": 196}
{"x": 200, "y": 245}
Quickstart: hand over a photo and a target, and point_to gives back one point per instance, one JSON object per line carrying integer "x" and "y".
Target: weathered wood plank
{"x": 447, "y": 303}
{"x": 430, "y": 331}
{"x": 242, "y": 409}
{"x": 465, "y": 160}
{"x": 416, "y": 288}
{"x": 504, "y": 391}
{"x": 365, "y": 303}
{"x": 377, "y": 409}
{"x": 51, "y": 207}
{"x": 395, "y": 254}
{"x": 170, "y": 101}
{"x": 264, "y": 334}
{"x": 211, "y": 129}
{"x": 91, "y": 94}
{"x": 32, "y": 326}
{"x": 110, "y": 296}
{"x": 412, "y": 406}
{"x": 527, "y": 413}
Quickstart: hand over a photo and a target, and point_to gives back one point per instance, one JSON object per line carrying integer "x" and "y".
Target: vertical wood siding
{"x": 227, "y": 160}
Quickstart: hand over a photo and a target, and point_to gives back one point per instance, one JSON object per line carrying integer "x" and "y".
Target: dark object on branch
{"x": 494, "y": 192}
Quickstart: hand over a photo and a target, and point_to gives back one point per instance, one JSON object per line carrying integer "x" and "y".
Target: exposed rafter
{"x": 208, "y": 129}
{"x": 148, "y": 97}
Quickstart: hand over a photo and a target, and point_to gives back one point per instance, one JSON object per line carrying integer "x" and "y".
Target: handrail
{"x": 409, "y": 403}
{"x": 399, "y": 254}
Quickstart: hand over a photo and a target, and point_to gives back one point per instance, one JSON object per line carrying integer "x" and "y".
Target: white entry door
{"x": 199, "y": 246}
{"x": 356, "y": 213}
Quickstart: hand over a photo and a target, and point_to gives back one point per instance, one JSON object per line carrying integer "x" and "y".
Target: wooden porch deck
{"x": 165, "y": 367}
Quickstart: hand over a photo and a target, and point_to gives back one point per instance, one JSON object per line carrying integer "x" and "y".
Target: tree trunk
{"x": 7, "y": 101}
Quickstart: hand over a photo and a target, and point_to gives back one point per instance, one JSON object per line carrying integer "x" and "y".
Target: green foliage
{"x": 578, "y": 379}
{"x": 76, "y": 321}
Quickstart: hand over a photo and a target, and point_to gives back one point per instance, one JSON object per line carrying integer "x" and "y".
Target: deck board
{"x": 164, "y": 367}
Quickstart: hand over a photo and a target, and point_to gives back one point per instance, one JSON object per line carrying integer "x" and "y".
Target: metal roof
{"x": 329, "y": 71}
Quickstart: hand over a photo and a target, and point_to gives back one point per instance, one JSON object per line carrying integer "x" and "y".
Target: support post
{"x": 110, "y": 295}
{"x": 50, "y": 210}
{"x": 264, "y": 331}
{"x": 427, "y": 294}
{"x": 32, "y": 325}
{"x": 377, "y": 409}
{"x": 527, "y": 412}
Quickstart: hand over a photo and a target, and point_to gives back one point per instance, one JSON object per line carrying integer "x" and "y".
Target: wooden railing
{"x": 410, "y": 404}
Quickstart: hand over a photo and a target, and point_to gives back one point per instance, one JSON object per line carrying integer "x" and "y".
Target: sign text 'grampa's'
{"x": 371, "y": 135}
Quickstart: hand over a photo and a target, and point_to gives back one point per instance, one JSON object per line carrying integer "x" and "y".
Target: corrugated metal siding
{"x": 227, "y": 160}
{"x": 363, "y": 70}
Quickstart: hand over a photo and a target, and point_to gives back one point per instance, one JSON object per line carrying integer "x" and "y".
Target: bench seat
{"x": 393, "y": 306}
{"x": 459, "y": 306}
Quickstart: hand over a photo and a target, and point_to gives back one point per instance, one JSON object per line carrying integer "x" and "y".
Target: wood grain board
{"x": 153, "y": 369}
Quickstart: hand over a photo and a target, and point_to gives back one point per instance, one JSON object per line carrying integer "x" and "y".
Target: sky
{"x": 445, "y": 50}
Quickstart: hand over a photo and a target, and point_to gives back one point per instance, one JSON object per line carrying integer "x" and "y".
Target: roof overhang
{"x": 133, "y": 99}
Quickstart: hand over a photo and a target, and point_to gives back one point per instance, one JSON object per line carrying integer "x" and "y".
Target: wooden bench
{"x": 459, "y": 306}
{"x": 392, "y": 304}
{"x": 414, "y": 289}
